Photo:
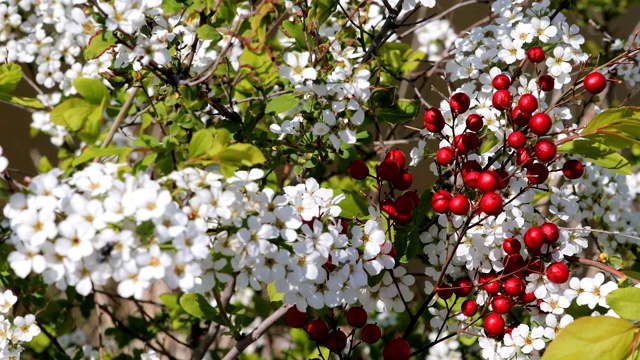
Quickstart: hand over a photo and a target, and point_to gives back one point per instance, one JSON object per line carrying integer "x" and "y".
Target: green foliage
{"x": 10, "y": 77}
{"x": 399, "y": 58}
{"x": 98, "y": 44}
{"x": 197, "y": 305}
{"x": 598, "y": 337}
{"x": 625, "y": 302}
{"x": 402, "y": 111}
{"x": 282, "y": 104}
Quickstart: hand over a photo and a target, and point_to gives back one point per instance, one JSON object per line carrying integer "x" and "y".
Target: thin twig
{"x": 121, "y": 115}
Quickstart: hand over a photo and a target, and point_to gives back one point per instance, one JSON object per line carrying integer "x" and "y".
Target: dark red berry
{"x": 488, "y": 181}
{"x": 517, "y": 139}
{"x": 527, "y": 297}
{"x": 513, "y": 263}
{"x": 489, "y": 283}
{"x": 433, "y": 120}
{"x": 471, "y": 165}
{"x": 459, "y": 145}
{"x": 537, "y": 173}
{"x": 403, "y": 219}
{"x": 404, "y": 204}
{"x": 501, "y": 304}
{"x": 440, "y": 201}
{"x": 540, "y": 124}
{"x": 528, "y": 103}
{"x": 357, "y": 317}
{"x": 336, "y": 341}
{"x": 459, "y": 205}
{"x": 462, "y": 286}
{"x": 396, "y": 349}
{"x": 474, "y": 122}
{"x": 511, "y": 245}
{"x": 595, "y": 83}
{"x": 295, "y": 318}
{"x": 398, "y": 157}
{"x": 371, "y": 333}
{"x": 469, "y": 307}
{"x": 535, "y": 54}
{"x": 389, "y": 207}
{"x": 534, "y": 238}
{"x": 514, "y": 286}
{"x": 388, "y": 170}
{"x": 317, "y": 329}
{"x": 502, "y": 100}
{"x": 471, "y": 179}
{"x": 573, "y": 169}
{"x": 446, "y": 156}
{"x": 358, "y": 170}
{"x": 414, "y": 196}
{"x": 551, "y": 232}
{"x": 491, "y": 204}
{"x": 444, "y": 291}
{"x": 545, "y": 150}
{"x": 404, "y": 180}
{"x": 471, "y": 141}
{"x": 494, "y": 324}
{"x": 523, "y": 157}
{"x": 558, "y": 273}
{"x": 501, "y": 82}
{"x": 459, "y": 102}
{"x": 546, "y": 82}
{"x": 519, "y": 117}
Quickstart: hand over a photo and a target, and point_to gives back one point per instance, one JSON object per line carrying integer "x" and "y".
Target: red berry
{"x": 358, "y": 170}
{"x": 545, "y": 150}
{"x": 388, "y": 170}
{"x": 551, "y": 232}
{"x": 519, "y": 117}
{"x": 573, "y": 169}
{"x": 471, "y": 165}
{"x": 502, "y": 100}
{"x": 523, "y": 157}
{"x": 534, "y": 267}
{"x": 514, "y": 286}
{"x": 494, "y": 324}
{"x": 403, "y": 219}
{"x": 527, "y": 297}
{"x": 540, "y": 124}
{"x": 357, "y": 317}
{"x": 491, "y": 204}
{"x": 528, "y": 103}
{"x": 398, "y": 157}
{"x": 371, "y": 333}
{"x": 295, "y": 318}
{"x": 537, "y": 173}
{"x": 433, "y": 120}
{"x": 504, "y": 177}
{"x": 595, "y": 83}
{"x": 459, "y": 145}
{"x": 511, "y": 245}
{"x": 404, "y": 180}
{"x": 404, "y": 204}
{"x": 414, "y": 196}
{"x": 440, "y": 201}
{"x": 501, "y": 82}
{"x": 535, "y": 54}
{"x": 489, "y": 284}
{"x": 396, "y": 349}
{"x": 558, "y": 273}
{"x": 459, "y": 205}
{"x": 513, "y": 263}
{"x": 534, "y": 238}
{"x": 462, "y": 286}
{"x": 459, "y": 102}
{"x": 317, "y": 329}
{"x": 471, "y": 140}
{"x": 469, "y": 307}
{"x": 501, "y": 304}
{"x": 444, "y": 291}
{"x": 488, "y": 181}
{"x": 546, "y": 82}
{"x": 517, "y": 139}
{"x": 446, "y": 156}
{"x": 471, "y": 179}
{"x": 475, "y": 122}
{"x": 337, "y": 341}
{"x": 389, "y": 207}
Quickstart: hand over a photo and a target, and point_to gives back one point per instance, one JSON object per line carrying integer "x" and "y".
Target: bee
{"x": 105, "y": 251}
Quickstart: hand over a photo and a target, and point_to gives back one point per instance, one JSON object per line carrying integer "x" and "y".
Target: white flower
{"x": 558, "y": 63}
{"x": 296, "y": 69}
{"x": 543, "y": 29}
{"x": 25, "y": 327}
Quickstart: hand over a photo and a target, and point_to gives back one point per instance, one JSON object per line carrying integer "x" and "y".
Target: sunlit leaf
{"x": 625, "y": 302}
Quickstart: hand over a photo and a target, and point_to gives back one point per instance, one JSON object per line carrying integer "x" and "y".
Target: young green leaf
{"x": 625, "y": 302}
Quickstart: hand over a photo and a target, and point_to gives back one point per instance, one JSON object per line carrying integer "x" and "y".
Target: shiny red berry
{"x": 336, "y": 341}
{"x": 540, "y": 124}
{"x": 446, "y": 156}
{"x": 371, "y": 333}
{"x": 398, "y": 157}
{"x": 462, "y": 286}
{"x": 489, "y": 283}
{"x": 404, "y": 180}
{"x": 404, "y": 204}
{"x": 537, "y": 173}
{"x": 433, "y": 120}
{"x": 440, "y": 201}
{"x": 551, "y": 232}
{"x": 545, "y": 150}
{"x": 558, "y": 273}
{"x": 511, "y": 245}
{"x": 469, "y": 307}
{"x": 459, "y": 205}
{"x": 358, "y": 170}
{"x": 546, "y": 82}
{"x": 595, "y": 83}
{"x": 573, "y": 169}
{"x": 494, "y": 324}
{"x": 534, "y": 238}
{"x": 535, "y": 54}
{"x": 514, "y": 286}
{"x": 388, "y": 170}
{"x": 491, "y": 204}
{"x": 318, "y": 330}
{"x": 295, "y": 318}
{"x": 501, "y": 304}
{"x": 501, "y": 82}
{"x": 357, "y": 317}
{"x": 459, "y": 102}
{"x": 502, "y": 100}
{"x": 519, "y": 117}
{"x": 528, "y": 103}
{"x": 488, "y": 181}
{"x": 474, "y": 122}
{"x": 517, "y": 139}
{"x": 444, "y": 291}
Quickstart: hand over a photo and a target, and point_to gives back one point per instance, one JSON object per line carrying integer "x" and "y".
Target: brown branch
{"x": 603, "y": 267}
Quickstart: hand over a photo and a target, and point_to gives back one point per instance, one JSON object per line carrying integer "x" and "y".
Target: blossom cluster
{"x": 193, "y": 229}
{"x": 14, "y": 331}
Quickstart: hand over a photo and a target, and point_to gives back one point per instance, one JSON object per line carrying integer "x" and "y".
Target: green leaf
{"x": 488, "y": 143}
{"x": 242, "y": 155}
{"x": 274, "y": 295}
{"x": 611, "y": 116}
{"x": 208, "y": 32}
{"x": 599, "y": 337}
{"x": 196, "y": 305}
{"x": 403, "y": 111}
{"x": 92, "y": 90}
{"x": 91, "y": 153}
{"x": 282, "y": 104}
{"x": 625, "y": 302}
{"x": 354, "y": 205}
{"x": 71, "y": 113}
{"x": 98, "y": 44}
{"x": 322, "y": 9}
{"x": 227, "y": 11}
{"x": 21, "y": 100}
{"x": 10, "y": 76}
{"x": 599, "y": 154}
{"x": 295, "y": 31}
{"x": 200, "y": 143}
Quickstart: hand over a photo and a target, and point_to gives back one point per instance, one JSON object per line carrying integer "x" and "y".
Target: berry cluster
{"x": 333, "y": 338}
{"x": 392, "y": 170}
